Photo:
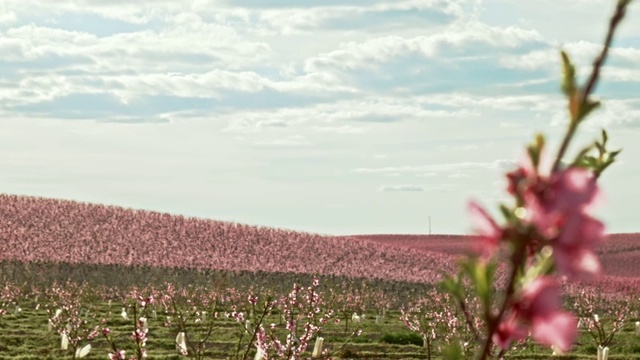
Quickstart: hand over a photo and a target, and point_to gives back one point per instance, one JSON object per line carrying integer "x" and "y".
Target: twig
{"x": 593, "y": 78}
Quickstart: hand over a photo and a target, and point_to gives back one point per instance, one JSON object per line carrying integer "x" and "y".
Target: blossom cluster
{"x": 550, "y": 217}
{"x": 548, "y": 230}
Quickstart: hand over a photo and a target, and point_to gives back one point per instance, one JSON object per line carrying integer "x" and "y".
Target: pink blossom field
{"x": 60, "y": 231}
{"x": 54, "y": 241}
{"x": 620, "y": 254}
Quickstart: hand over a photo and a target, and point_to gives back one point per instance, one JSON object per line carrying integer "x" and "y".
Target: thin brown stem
{"x": 597, "y": 64}
{"x": 469, "y": 321}
{"x": 267, "y": 309}
{"x": 593, "y": 78}
{"x": 493, "y": 322}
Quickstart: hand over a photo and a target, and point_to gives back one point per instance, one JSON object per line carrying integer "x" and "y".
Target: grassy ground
{"x": 26, "y": 336}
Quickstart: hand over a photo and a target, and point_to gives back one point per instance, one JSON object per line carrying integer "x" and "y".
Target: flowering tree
{"x": 9, "y": 297}
{"x": 601, "y": 314}
{"x": 547, "y": 229}
{"x": 67, "y": 316}
{"x": 305, "y": 314}
{"x": 347, "y": 301}
{"x": 139, "y": 305}
{"x": 193, "y": 311}
{"x": 435, "y": 319}
{"x": 250, "y": 313}
{"x": 381, "y": 301}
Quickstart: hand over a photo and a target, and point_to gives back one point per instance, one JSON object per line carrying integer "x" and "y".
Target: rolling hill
{"x": 36, "y": 229}
{"x": 620, "y": 253}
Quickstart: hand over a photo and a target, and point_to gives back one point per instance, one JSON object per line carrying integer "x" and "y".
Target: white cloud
{"x": 333, "y": 115}
{"x": 580, "y": 52}
{"x": 505, "y": 164}
{"x": 533, "y": 60}
{"x": 438, "y": 168}
{"x": 393, "y": 188}
{"x": 223, "y": 97}
{"x": 537, "y": 102}
{"x": 353, "y": 55}
{"x": 142, "y": 51}
{"x": 611, "y": 114}
{"x": 345, "y": 129}
{"x": 206, "y": 85}
{"x": 619, "y": 74}
{"x": 121, "y": 10}
{"x": 291, "y": 141}
{"x": 7, "y": 17}
{"x": 302, "y": 20}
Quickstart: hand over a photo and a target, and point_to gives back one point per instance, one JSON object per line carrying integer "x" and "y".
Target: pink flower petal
{"x": 557, "y": 329}
{"x": 577, "y": 262}
{"x": 571, "y": 190}
{"x": 488, "y": 232}
{"x": 581, "y": 230}
{"x": 508, "y": 332}
{"x": 541, "y": 297}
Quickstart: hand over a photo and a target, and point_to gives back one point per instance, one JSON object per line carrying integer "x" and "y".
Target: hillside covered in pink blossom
{"x": 620, "y": 253}
{"x": 39, "y": 229}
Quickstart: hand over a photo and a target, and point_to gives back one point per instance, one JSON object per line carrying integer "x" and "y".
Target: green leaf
{"x": 624, "y": 2}
{"x": 507, "y": 213}
{"x": 453, "y": 286}
{"x": 535, "y": 149}
{"x": 568, "y": 75}
{"x": 480, "y": 274}
{"x": 587, "y": 107}
{"x": 543, "y": 266}
{"x": 579, "y": 160}
{"x": 482, "y": 281}
{"x": 590, "y": 161}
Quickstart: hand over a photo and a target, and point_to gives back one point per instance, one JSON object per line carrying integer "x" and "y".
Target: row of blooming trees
{"x": 602, "y": 312}
{"x": 37, "y": 230}
{"x": 275, "y": 324}
{"x": 271, "y": 324}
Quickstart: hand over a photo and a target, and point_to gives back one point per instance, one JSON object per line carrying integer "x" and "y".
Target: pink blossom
{"x": 574, "y": 248}
{"x": 550, "y": 201}
{"x": 518, "y": 178}
{"x": 118, "y": 355}
{"x": 488, "y": 232}
{"x": 176, "y": 241}
{"x": 557, "y": 206}
{"x": 557, "y": 329}
{"x": 140, "y": 336}
{"x": 539, "y": 305}
{"x": 508, "y": 331}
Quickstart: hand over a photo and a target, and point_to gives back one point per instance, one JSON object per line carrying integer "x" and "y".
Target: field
{"x": 26, "y": 336}
{"x": 620, "y": 254}
{"x": 79, "y": 266}
{"x": 64, "y": 231}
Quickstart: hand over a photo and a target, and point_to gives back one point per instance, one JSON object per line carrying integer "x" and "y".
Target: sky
{"x": 333, "y": 117}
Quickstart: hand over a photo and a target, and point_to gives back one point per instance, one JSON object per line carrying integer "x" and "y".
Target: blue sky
{"x": 336, "y": 117}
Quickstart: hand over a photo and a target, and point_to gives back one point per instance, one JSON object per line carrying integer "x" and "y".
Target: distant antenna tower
{"x": 429, "y": 225}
